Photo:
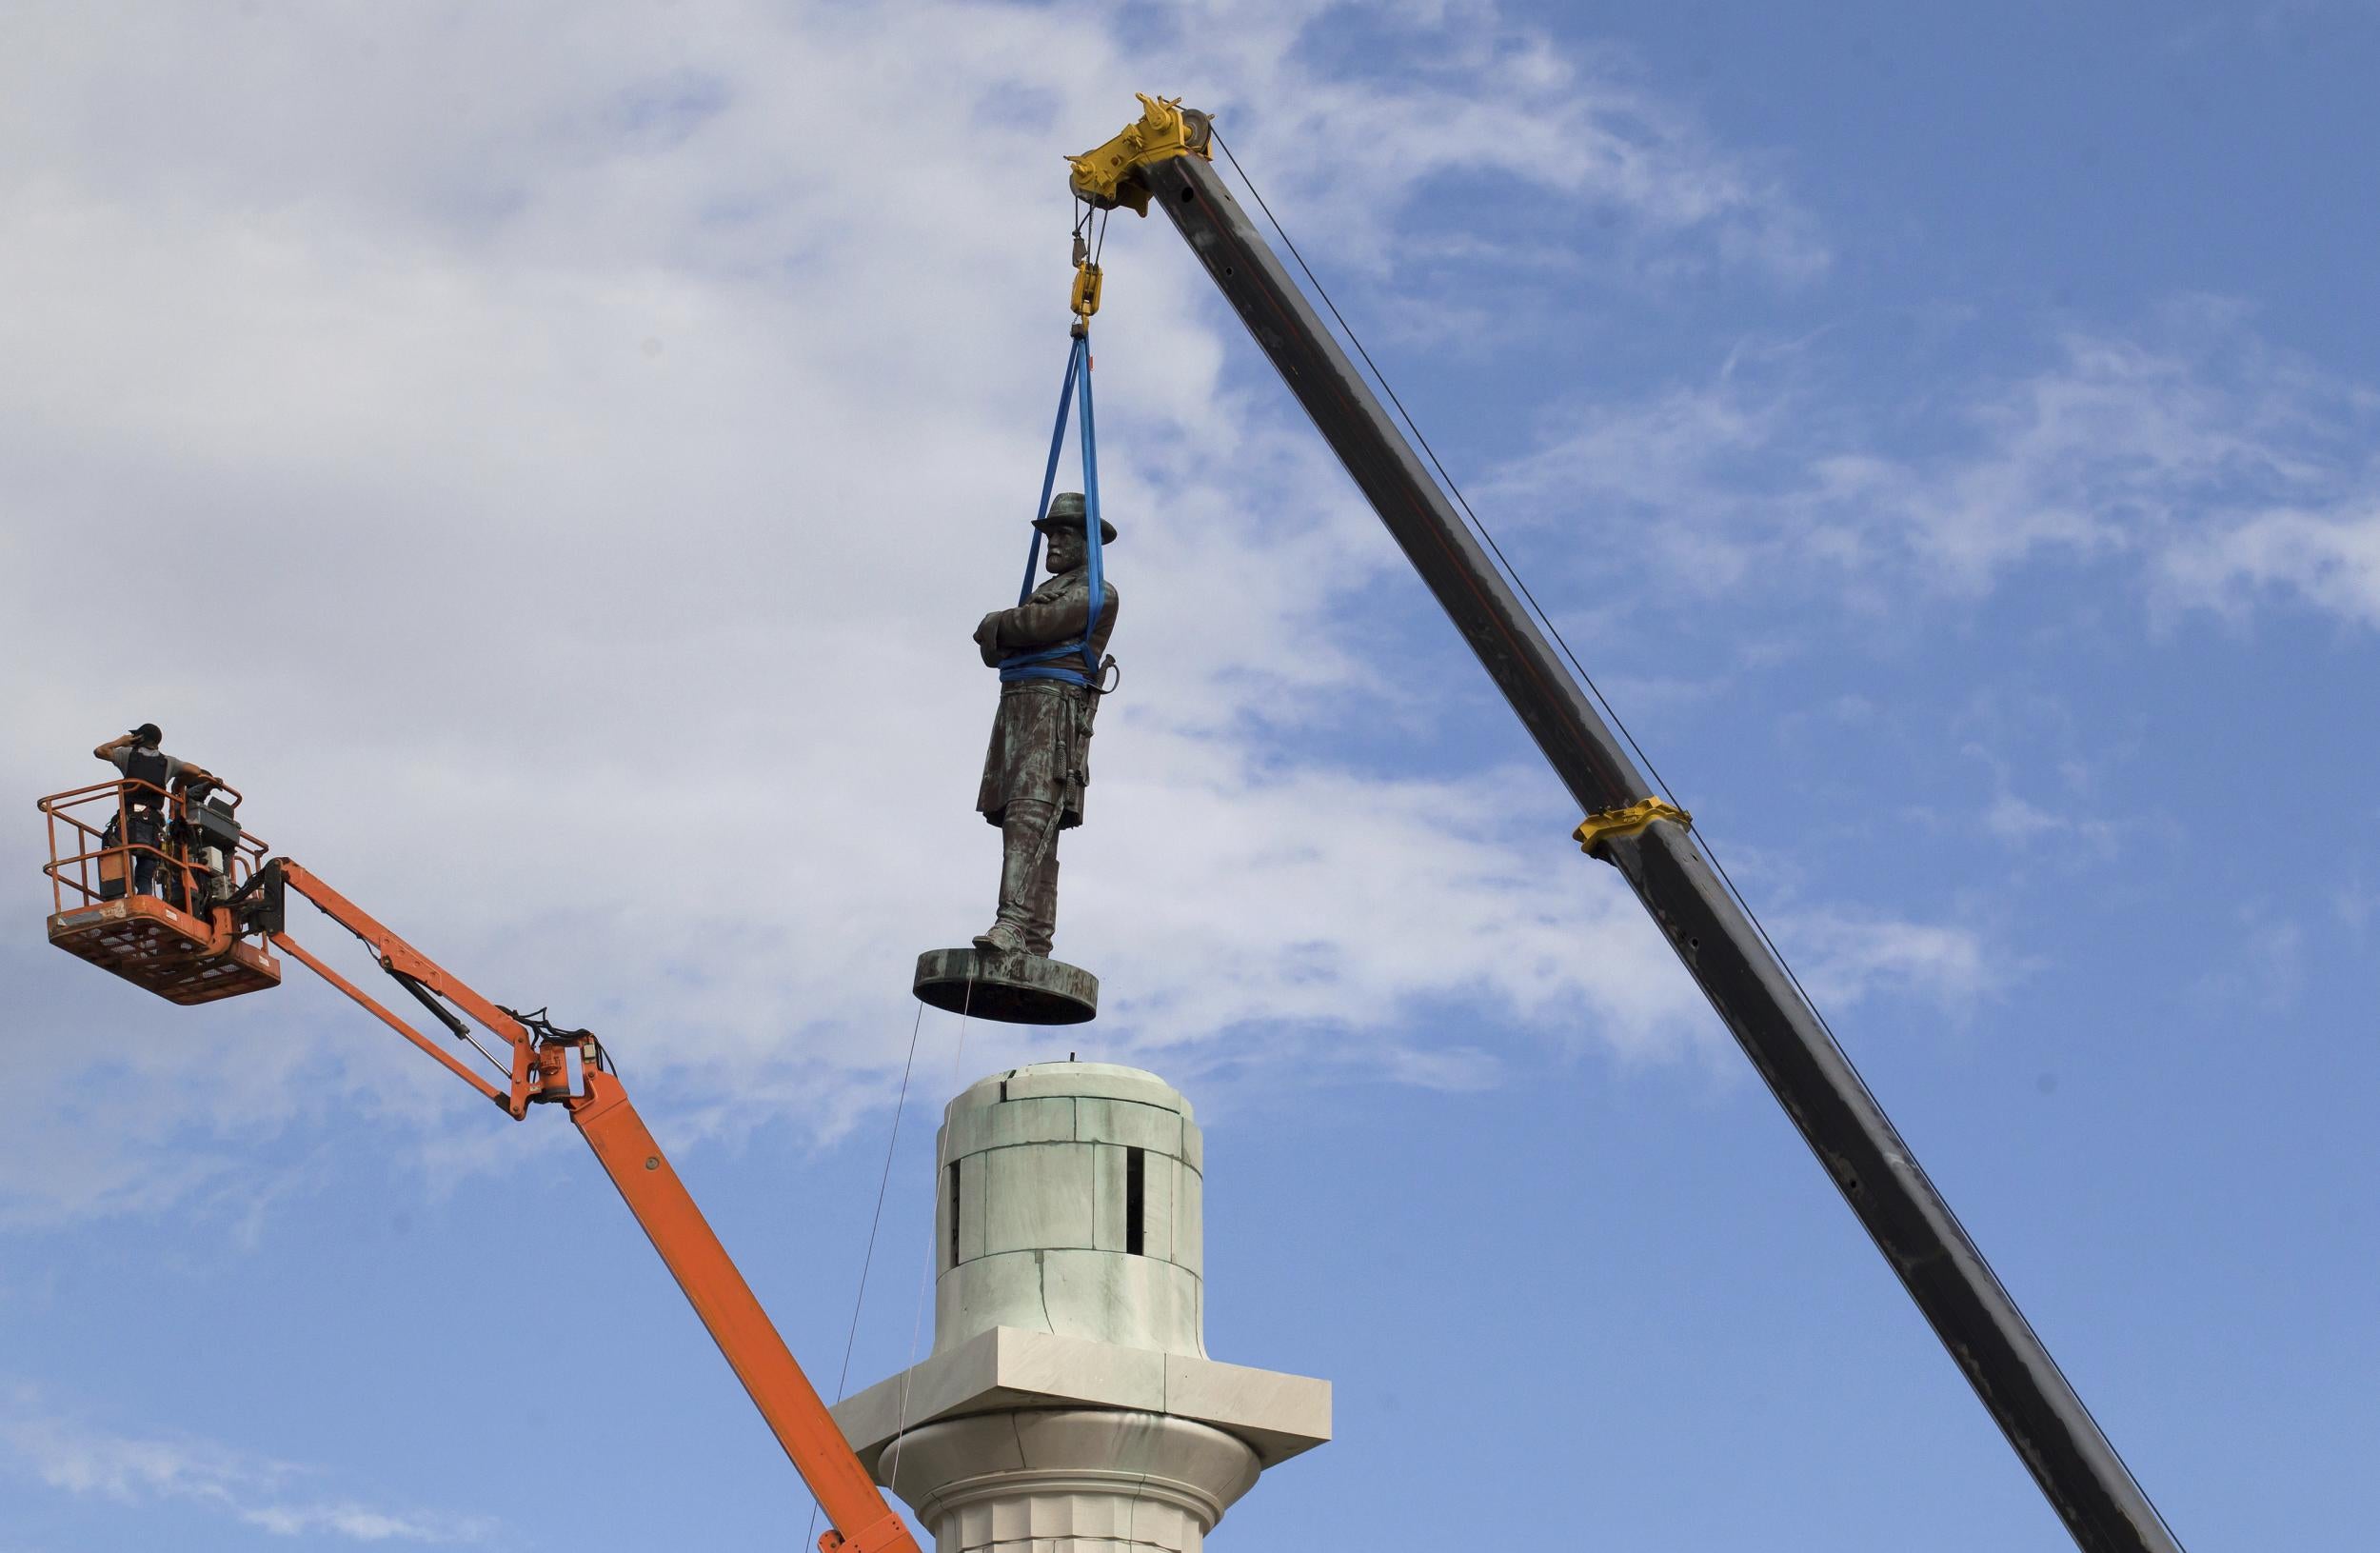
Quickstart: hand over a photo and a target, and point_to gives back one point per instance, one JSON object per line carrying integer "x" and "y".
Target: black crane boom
{"x": 2088, "y": 1484}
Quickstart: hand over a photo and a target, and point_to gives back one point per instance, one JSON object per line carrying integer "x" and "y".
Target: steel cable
{"x": 926, "y": 1279}
{"x": 1661, "y": 785}
{"x": 867, "y": 1258}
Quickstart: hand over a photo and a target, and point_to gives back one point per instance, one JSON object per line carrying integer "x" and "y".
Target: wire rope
{"x": 926, "y": 1280}
{"x": 867, "y": 1258}
{"x": 1660, "y": 783}
{"x": 1519, "y": 582}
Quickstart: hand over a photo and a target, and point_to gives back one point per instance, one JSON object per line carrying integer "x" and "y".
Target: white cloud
{"x": 1453, "y": 1070}
{"x": 2327, "y": 557}
{"x": 2264, "y": 965}
{"x": 2012, "y": 819}
{"x": 79, "y": 1459}
{"x": 1843, "y": 958}
{"x": 552, "y": 458}
{"x": 2021, "y": 822}
{"x": 84, "y": 1461}
{"x": 2218, "y": 467}
{"x": 2356, "y": 903}
{"x": 357, "y": 1523}
{"x": 1479, "y": 100}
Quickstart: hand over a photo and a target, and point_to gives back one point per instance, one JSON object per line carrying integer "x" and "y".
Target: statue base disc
{"x": 1008, "y": 988}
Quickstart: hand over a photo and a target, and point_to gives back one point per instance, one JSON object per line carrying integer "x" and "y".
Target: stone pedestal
{"x": 1155, "y": 1483}
{"x": 1069, "y": 1403}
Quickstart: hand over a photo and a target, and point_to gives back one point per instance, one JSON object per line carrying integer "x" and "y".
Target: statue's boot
{"x": 1028, "y": 834}
{"x": 1042, "y": 910}
{"x": 1000, "y": 938}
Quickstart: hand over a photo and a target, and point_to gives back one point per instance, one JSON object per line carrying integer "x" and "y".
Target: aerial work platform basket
{"x": 142, "y": 882}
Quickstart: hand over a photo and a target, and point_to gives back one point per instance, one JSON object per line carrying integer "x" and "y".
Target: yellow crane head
{"x": 1108, "y": 175}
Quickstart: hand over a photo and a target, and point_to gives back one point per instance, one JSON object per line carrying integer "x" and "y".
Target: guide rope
{"x": 925, "y": 1277}
{"x": 867, "y": 1258}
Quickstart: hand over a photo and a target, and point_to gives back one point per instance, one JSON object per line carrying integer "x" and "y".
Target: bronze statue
{"x": 1038, "y": 760}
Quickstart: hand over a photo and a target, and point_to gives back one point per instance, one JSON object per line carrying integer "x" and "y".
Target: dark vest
{"x": 144, "y": 766}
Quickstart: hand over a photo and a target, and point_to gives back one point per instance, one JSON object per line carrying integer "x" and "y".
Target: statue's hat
{"x": 1065, "y": 511}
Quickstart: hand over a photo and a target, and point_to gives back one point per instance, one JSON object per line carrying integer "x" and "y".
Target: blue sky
{"x": 1946, "y": 435}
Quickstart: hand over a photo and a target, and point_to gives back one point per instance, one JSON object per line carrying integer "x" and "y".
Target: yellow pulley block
{"x": 1627, "y": 819}
{"x": 1086, "y": 290}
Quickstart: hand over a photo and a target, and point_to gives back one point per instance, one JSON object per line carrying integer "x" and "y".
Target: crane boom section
{"x": 2010, "y": 1370}
{"x": 566, "y": 1067}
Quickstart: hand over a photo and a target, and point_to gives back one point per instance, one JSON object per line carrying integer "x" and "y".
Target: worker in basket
{"x": 205, "y": 834}
{"x": 140, "y": 823}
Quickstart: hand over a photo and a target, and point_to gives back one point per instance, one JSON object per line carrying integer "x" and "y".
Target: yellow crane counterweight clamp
{"x": 1627, "y": 819}
{"x": 1106, "y": 176}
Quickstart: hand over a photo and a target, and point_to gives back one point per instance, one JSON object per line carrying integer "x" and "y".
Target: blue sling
{"x": 1050, "y": 663}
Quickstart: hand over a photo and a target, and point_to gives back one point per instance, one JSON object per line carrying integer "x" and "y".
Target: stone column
{"x": 1069, "y": 1403}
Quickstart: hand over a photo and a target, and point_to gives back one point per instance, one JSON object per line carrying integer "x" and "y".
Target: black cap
{"x": 148, "y": 733}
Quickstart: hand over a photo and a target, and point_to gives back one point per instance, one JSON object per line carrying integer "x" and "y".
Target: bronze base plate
{"x": 1008, "y": 988}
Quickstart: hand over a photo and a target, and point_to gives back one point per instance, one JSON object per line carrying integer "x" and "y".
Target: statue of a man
{"x": 1038, "y": 760}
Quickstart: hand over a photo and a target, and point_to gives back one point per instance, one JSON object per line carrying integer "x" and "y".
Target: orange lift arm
{"x": 566, "y": 1067}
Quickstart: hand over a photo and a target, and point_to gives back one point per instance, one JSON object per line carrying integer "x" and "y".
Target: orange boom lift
{"x": 220, "y": 902}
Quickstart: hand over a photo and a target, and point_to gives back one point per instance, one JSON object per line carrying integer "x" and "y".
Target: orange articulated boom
{"x": 418, "y": 974}
{"x": 548, "y": 1065}
{"x": 862, "y": 1521}
{"x": 542, "y": 1070}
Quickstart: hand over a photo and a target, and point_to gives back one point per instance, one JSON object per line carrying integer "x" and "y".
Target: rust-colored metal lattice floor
{"x": 153, "y": 945}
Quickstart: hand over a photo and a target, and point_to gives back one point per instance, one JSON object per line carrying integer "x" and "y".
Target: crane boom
{"x": 1162, "y": 159}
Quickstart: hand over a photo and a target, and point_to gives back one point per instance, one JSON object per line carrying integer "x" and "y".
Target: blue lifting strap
{"x": 1045, "y": 663}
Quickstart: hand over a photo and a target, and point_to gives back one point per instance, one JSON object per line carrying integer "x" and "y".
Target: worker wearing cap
{"x": 1039, "y": 760}
{"x": 150, "y": 773}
